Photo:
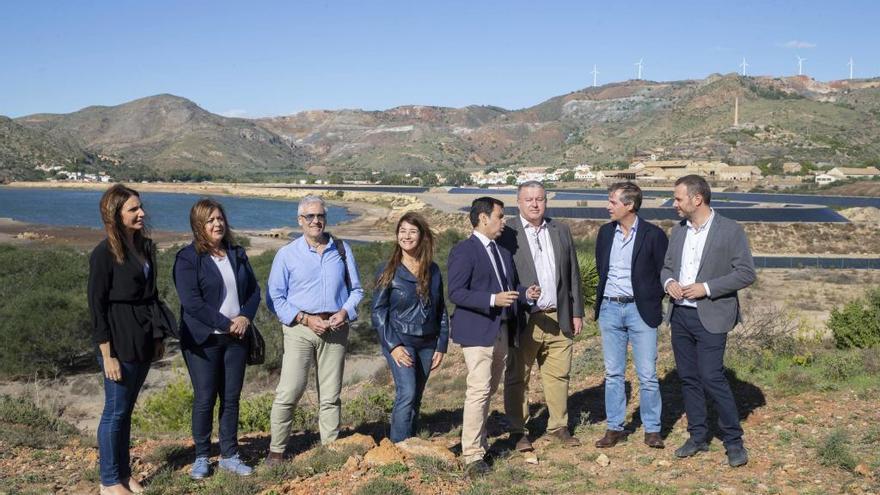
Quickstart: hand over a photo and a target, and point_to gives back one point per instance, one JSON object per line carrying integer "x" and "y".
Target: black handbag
{"x": 256, "y": 346}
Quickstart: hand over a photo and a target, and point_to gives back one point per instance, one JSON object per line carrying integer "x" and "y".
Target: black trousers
{"x": 699, "y": 358}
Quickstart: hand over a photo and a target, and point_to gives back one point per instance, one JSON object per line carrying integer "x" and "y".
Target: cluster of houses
{"x": 61, "y": 174}
{"x": 840, "y": 173}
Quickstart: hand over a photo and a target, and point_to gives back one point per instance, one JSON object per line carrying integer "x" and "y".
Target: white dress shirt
{"x": 486, "y": 244}
{"x": 230, "y": 307}
{"x": 692, "y": 256}
{"x": 545, "y": 265}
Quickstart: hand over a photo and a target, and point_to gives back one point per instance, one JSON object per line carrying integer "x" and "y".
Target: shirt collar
{"x": 526, "y": 224}
{"x": 705, "y": 226}
{"x": 483, "y": 239}
{"x": 308, "y": 247}
{"x": 634, "y": 227}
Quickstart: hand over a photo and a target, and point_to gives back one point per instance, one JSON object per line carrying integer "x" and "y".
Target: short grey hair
{"x": 307, "y": 200}
{"x": 529, "y": 183}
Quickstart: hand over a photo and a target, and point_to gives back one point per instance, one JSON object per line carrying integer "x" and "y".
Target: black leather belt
{"x": 323, "y": 316}
{"x": 548, "y": 311}
{"x": 620, "y": 299}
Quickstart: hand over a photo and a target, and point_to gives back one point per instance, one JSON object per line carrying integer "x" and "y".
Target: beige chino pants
{"x": 302, "y": 350}
{"x": 485, "y": 367}
{"x": 543, "y": 341}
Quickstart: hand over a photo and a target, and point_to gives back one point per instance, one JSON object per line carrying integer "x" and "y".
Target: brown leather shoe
{"x": 654, "y": 440}
{"x": 522, "y": 442}
{"x": 564, "y": 437}
{"x": 273, "y": 459}
{"x": 610, "y": 439}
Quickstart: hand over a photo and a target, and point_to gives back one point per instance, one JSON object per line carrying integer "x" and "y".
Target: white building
{"x": 823, "y": 179}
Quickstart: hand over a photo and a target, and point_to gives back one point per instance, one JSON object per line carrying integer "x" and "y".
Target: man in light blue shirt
{"x": 314, "y": 290}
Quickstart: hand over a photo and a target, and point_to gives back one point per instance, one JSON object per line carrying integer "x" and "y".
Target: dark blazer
{"x": 569, "y": 299}
{"x": 726, "y": 266}
{"x": 472, "y": 281}
{"x": 123, "y": 303}
{"x": 397, "y": 309}
{"x": 200, "y": 289}
{"x": 649, "y": 250}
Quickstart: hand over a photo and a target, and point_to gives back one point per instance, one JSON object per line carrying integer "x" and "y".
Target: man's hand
{"x": 694, "y": 291}
{"x": 400, "y": 356}
{"x": 577, "y": 324}
{"x": 337, "y": 320}
{"x": 316, "y": 324}
{"x": 674, "y": 289}
{"x": 533, "y": 292}
{"x": 506, "y": 298}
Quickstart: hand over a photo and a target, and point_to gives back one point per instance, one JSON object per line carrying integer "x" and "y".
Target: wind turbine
{"x": 744, "y": 65}
{"x": 800, "y": 65}
{"x": 594, "y": 73}
{"x": 639, "y": 65}
{"x": 850, "y": 64}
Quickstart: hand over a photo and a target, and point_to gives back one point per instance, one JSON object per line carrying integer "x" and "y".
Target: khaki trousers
{"x": 542, "y": 341}
{"x": 485, "y": 367}
{"x": 302, "y": 350}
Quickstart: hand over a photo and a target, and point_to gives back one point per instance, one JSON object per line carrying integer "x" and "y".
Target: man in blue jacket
{"x": 629, "y": 256}
{"x": 485, "y": 289}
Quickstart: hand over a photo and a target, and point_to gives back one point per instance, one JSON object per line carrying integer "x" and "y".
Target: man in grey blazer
{"x": 707, "y": 262}
{"x": 544, "y": 254}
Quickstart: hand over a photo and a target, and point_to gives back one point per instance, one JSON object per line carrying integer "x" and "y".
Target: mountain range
{"x": 165, "y": 136}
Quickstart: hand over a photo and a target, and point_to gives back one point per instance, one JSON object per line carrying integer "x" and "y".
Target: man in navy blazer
{"x": 484, "y": 287}
{"x": 629, "y": 257}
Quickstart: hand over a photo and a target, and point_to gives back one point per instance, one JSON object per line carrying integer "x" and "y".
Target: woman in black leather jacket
{"x": 409, "y": 312}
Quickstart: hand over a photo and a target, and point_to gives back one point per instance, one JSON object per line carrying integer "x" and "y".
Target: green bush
{"x": 839, "y": 366}
{"x": 589, "y": 277}
{"x": 254, "y": 413}
{"x": 834, "y": 451}
{"x": 166, "y": 411}
{"x": 23, "y": 423}
{"x": 858, "y": 323}
{"x": 372, "y": 404}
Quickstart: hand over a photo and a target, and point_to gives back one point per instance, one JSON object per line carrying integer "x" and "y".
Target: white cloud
{"x": 798, "y": 44}
{"x": 235, "y": 113}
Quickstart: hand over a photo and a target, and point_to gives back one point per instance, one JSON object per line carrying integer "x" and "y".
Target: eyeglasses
{"x": 311, "y": 217}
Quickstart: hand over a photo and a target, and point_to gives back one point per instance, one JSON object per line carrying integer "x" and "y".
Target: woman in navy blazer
{"x": 219, "y": 297}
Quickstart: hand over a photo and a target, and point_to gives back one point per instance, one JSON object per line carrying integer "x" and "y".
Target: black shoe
{"x": 477, "y": 469}
{"x": 690, "y": 448}
{"x": 737, "y": 456}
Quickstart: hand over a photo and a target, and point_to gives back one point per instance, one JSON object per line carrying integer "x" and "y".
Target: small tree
{"x": 858, "y": 323}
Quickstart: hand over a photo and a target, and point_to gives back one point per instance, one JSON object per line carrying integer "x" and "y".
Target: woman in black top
{"x": 127, "y": 326}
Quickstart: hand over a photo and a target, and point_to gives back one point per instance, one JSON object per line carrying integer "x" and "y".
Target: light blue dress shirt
{"x": 619, "y": 282}
{"x": 303, "y": 280}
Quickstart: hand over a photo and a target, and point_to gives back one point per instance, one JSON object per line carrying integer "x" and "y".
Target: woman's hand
{"x": 436, "y": 360}
{"x": 239, "y": 326}
{"x": 158, "y": 349}
{"x": 400, "y": 356}
{"x": 112, "y": 369}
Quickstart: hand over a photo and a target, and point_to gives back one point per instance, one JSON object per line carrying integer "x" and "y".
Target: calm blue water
{"x": 165, "y": 211}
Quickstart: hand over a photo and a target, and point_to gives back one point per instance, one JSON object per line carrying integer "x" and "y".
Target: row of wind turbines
{"x": 744, "y": 65}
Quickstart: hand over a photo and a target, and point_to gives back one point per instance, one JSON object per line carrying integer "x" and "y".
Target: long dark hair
{"x": 111, "y": 206}
{"x": 198, "y": 217}
{"x": 424, "y": 253}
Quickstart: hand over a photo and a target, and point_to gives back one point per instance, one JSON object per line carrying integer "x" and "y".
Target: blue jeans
{"x": 216, "y": 368}
{"x": 621, "y": 323}
{"x": 409, "y": 383}
{"x": 114, "y": 430}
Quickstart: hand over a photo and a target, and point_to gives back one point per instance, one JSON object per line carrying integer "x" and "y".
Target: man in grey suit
{"x": 707, "y": 262}
{"x": 544, "y": 254}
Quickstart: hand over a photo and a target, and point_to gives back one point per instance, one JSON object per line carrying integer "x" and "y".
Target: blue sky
{"x": 263, "y": 58}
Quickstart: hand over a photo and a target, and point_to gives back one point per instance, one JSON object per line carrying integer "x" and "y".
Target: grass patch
{"x": 383, "y": 486}
{"x": 834, "y": 451}
{"x": 393, "y": 469}
{"x": 631, "y": 484}
{"x": 373, "y": 404}
{"x": 433, "y": 468}
{"x": 166, "y": 411}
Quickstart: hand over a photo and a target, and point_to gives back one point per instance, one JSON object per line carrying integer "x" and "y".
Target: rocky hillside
{"x": 780, "y": 119}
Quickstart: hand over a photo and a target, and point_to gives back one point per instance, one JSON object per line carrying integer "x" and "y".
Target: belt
{"x": 620, "y": 299}
{"x": 547, "y": 311}
{"x": 323, "y": 316}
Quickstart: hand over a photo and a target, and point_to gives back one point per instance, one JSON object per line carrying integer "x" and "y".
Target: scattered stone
{"x": 415, "y": 446}
{"x": 386, "y": 453}
{"x": 603, "y": 460}
{"x": 352, "y": 463}
{"x": 530, "y": 458}
{"x": 863, "y": 470}
{"x": 662, "y": 463}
